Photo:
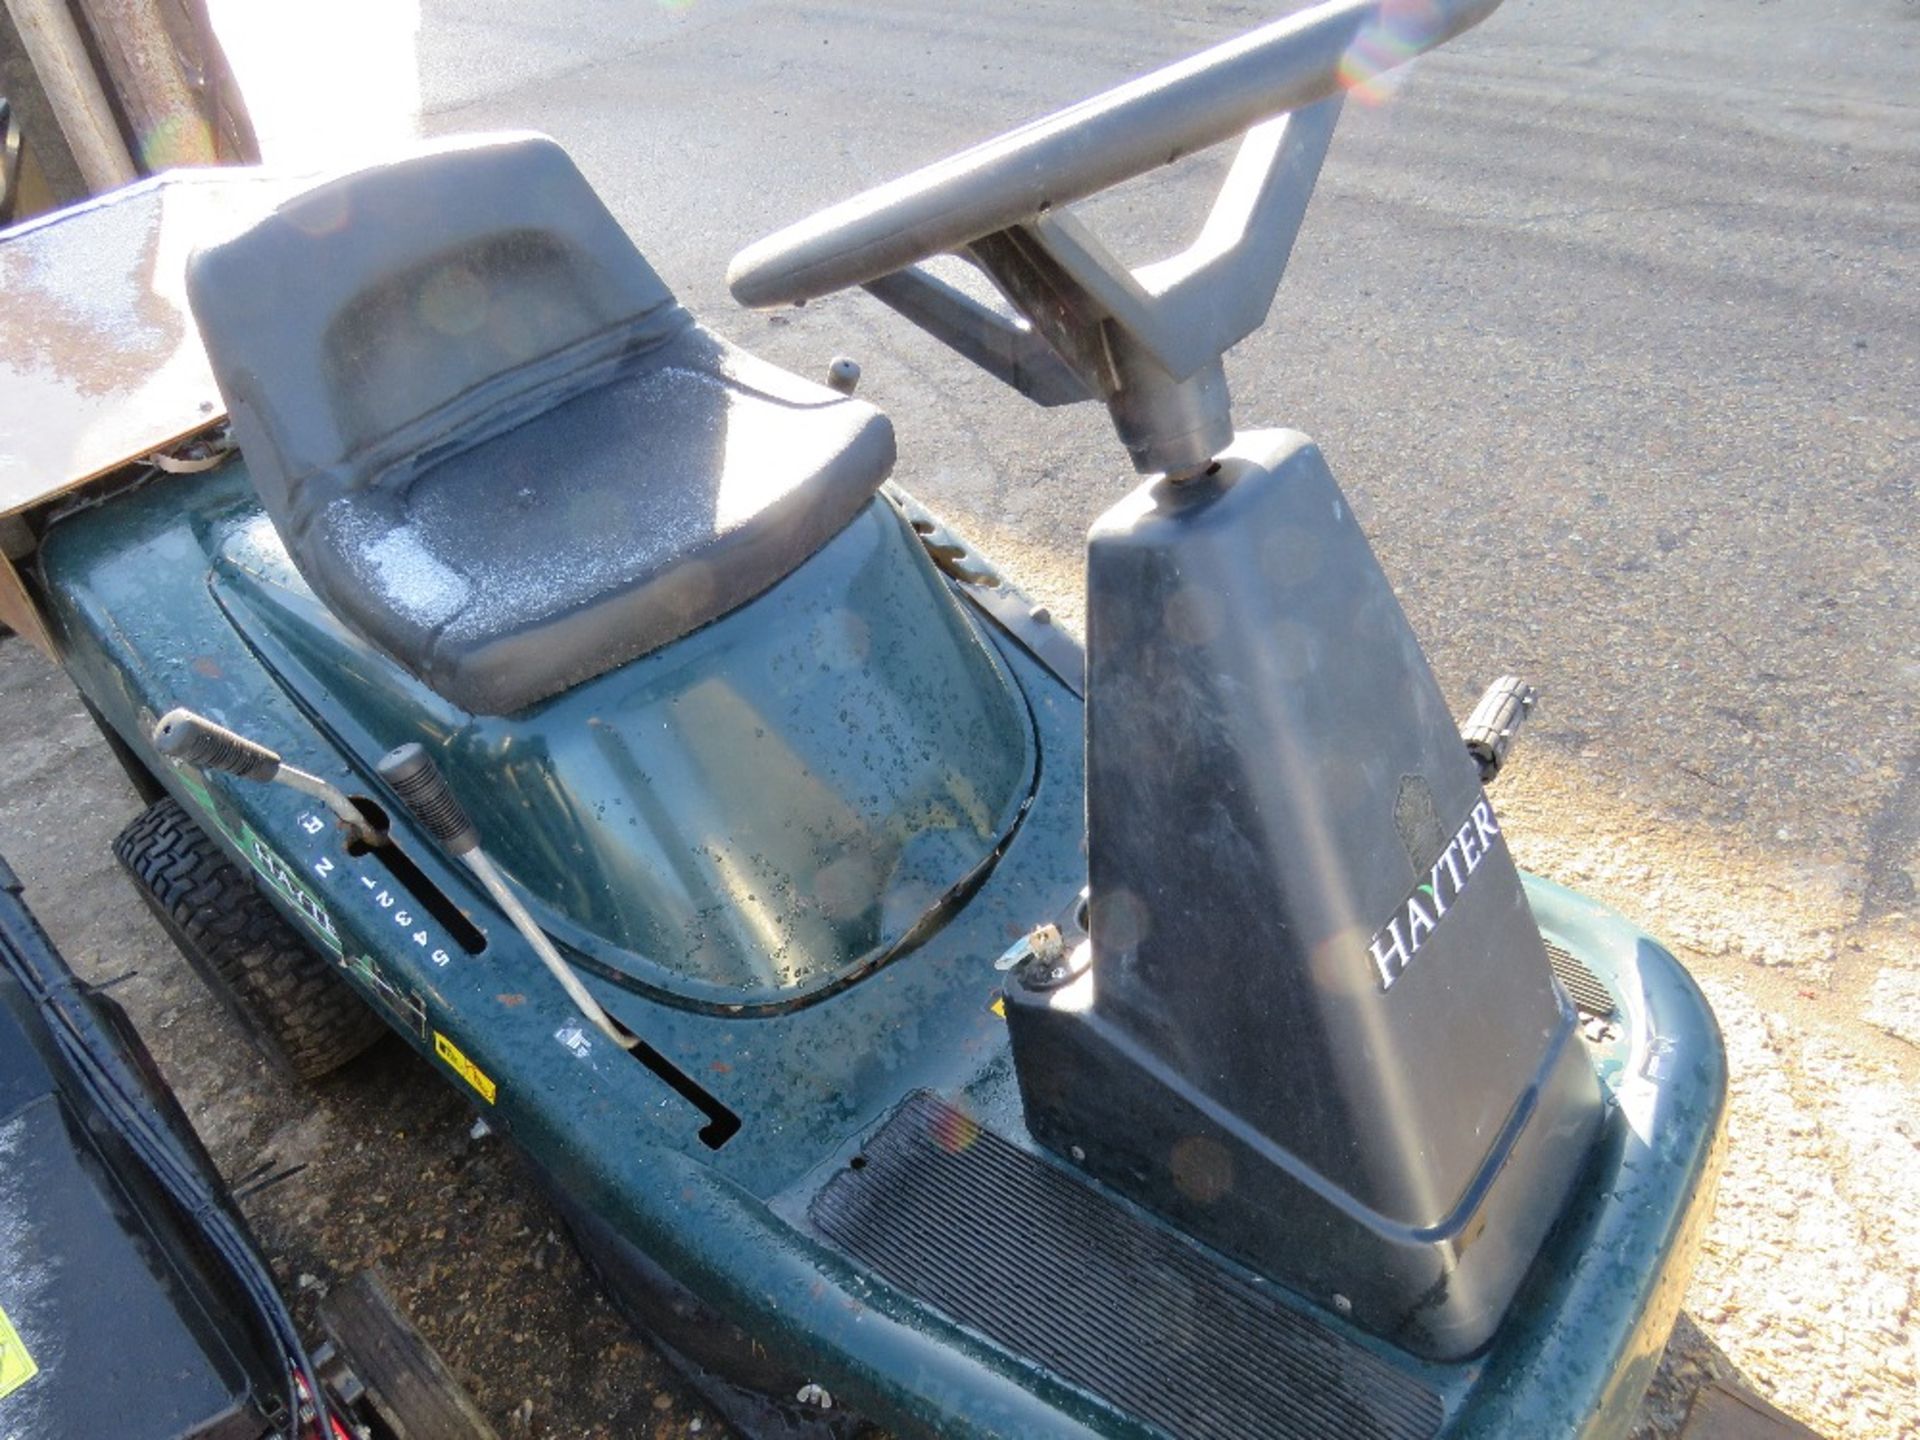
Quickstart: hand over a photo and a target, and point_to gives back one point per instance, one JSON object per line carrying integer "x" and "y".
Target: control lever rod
{"x": 182, "y": 734}
{"x": 424, "y": 790}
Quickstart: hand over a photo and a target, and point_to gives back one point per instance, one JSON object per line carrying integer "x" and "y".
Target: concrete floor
{"x": 1609, "y": 320}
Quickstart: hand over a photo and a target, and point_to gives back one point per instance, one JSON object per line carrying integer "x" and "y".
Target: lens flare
{"x": 1376, "y": 63}
{"x": 954, "y": 1132}
{"x": 178, "y": 140}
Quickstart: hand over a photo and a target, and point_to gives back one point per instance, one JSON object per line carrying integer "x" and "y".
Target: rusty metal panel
{"x": 100, "y": 362}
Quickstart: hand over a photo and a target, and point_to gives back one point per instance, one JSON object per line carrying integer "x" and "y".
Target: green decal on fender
{"x": 195, "y": 787}
{"x": 409, "y": 1006}
{"x": 280, "y": 875}
{"x": 270, "y": 867}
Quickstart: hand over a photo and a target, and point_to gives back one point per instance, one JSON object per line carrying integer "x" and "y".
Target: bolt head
{"x": 843, "y": 374}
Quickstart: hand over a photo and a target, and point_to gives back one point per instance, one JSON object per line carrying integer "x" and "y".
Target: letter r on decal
{"x": 1483, "y": 821}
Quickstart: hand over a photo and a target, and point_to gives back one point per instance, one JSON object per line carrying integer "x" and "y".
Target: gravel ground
{"x": 1607, "y": 319}
{"x": 1808, "y": 1284}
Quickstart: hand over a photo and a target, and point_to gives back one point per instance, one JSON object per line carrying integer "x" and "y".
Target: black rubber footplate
{"x": 1038, "y": 1262}
{"x": 1589, "y": 996}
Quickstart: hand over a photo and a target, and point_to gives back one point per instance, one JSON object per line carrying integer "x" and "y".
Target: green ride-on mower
{"x": 924, "y": 1023}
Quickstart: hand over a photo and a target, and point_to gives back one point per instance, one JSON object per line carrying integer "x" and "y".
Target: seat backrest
{"x": 386, "y": 313}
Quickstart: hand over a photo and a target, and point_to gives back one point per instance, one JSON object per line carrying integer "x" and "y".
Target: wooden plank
{"x": 405, "y": 1380}
{"x": 1722, "y": 1412}
{"x": 190, "y": 31}
{"x": 65, "y": 72}
{"x": 17, "y": 612}
{"x": 100, "y": 361}
{"x": 149, "y": 80}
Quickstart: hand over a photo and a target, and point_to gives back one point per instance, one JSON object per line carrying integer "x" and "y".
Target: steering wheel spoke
{"x": 1214, "y": 294}
{"x": 995, "y": 336}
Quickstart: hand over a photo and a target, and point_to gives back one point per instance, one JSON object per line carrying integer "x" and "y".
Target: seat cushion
{"x": 491, "y": 440}
{"x": 602, "y": 528}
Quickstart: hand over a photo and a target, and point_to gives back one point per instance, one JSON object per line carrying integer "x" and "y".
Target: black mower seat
{"x": 493, "y": 443}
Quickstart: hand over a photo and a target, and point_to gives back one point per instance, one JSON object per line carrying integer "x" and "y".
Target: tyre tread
{"x": 288, "y": 995}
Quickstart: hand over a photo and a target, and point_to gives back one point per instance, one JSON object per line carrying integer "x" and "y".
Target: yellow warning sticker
{"x": 463, "y": 1067}
{"x": 16, "y": 1365}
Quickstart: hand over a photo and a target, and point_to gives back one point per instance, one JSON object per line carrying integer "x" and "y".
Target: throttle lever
{"x": 413, "y": 776}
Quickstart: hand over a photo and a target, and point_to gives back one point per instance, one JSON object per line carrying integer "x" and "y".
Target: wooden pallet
{"x": 405, "y": 1381}
{"x": 1723, "y": 1412}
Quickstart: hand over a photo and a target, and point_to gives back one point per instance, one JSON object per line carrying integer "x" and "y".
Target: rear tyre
{"x": 288, "y": 998}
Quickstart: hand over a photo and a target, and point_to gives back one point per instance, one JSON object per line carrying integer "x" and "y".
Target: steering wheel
{"x": 1148, "y": 342}
{"x": 1037, "y": 169}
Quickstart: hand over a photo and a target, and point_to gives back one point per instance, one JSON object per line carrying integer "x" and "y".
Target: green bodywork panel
{"x": 749, "y": 816}
{"x": 686, "y": 860}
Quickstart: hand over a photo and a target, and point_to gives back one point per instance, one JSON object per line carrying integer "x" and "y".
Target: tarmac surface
{"x": 1607, "y": 317}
